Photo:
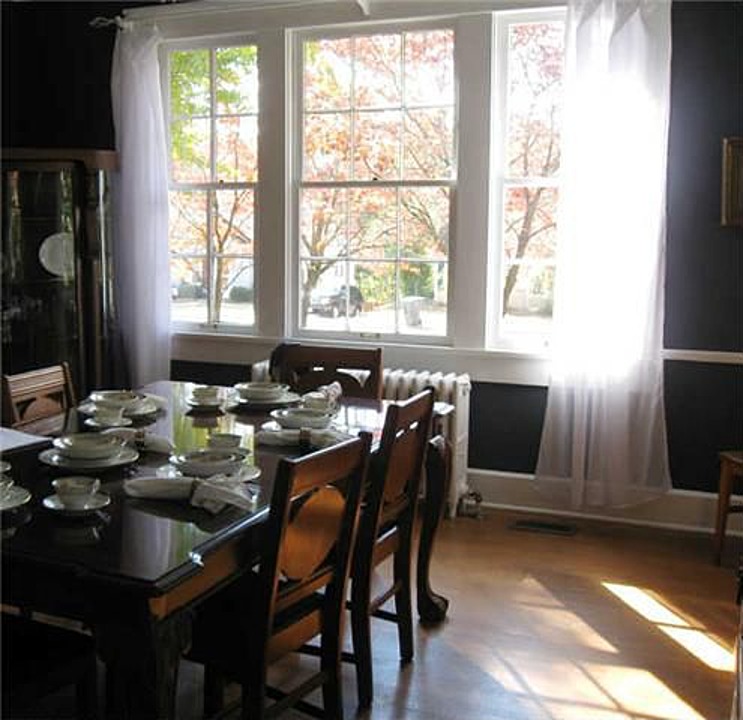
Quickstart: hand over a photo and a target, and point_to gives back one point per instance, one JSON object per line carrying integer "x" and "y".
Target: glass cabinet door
{"x": 42, "y": 313}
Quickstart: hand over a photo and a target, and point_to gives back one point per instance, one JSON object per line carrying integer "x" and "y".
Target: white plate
{"x": 261, "y": 391}
{"x": 16, "y": 497}
{"x": 56, "y": 459}
{"x": 201, "y": 405}
{"x": 92, "y": 422}
{"x": 57, "y": 255}
{"x": 98, "y": 501}
{"x": 125, "y": 398}
{"x": 295, "y": 418}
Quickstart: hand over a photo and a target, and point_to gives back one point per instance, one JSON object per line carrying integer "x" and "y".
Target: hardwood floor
{"x": 611, "y": 622}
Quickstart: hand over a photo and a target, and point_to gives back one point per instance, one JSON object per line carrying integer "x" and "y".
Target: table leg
{"x": 142, "y": 666}
{"x": 431, "y": 606}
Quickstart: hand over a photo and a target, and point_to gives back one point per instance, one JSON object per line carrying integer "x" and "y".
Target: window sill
{"x": 496, "y": 366}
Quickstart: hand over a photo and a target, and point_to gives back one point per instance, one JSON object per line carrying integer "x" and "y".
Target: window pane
{"x": 233, "y": 282}
{"x": 237, "y": 80}
{"x": 189, "y": 148}
{"x": 535, "y": 62}
{"x": 425, "y": 222}
{"x": 423, "y": 298}
{"x": 429, "y": 144}
{"x": 188, "y": 289}
{"x": 187, "y": 222}
{"x": 377, "y": 282}
{"x": 189, "y": 83}
{"x": 327, "y": 74}
{"x": 530, "y": 223}
{"x": 529, "y": 304}
{"x": 237, "y": 148}
{"x": 327, "y": 152}
{"x": 323, "y": 222}
{"x": 234, "y": 215}
{"x": 378, "y": 71}
{"x": 373, "y": 223}
{"x": 429, "y": 68}
{"x": 325, "y": 293}
{"x": 377, "y": 145}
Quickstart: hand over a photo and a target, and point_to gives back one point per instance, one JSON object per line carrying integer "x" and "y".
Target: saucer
{"x": 205, "y": 405}
{"x": 98, "y": 501}
{"x": 16, "y": 497}
{"x": 287, "y": 398}
{"x": 92, "y": 422}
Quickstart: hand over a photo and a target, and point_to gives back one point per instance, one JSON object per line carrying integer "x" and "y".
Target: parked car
{"x": 333, "y": 302}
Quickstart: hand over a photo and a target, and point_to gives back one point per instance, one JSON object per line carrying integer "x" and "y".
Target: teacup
{"x": 108, "y": 414}
{"x": 224, "y": 440}
{"x": 205, "y": 393}
{"x": 317, "y": 401}
{"x": 76, "y": 491}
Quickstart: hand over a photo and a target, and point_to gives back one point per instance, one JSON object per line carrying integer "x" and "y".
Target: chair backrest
{"x": 306, "y": 367}
{"x": 36, "y": 394}
{"x": 308, "y": 541}
{"x": 395, "y": 473}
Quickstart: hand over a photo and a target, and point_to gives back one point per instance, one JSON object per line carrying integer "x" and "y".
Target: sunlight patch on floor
{"x": 695, "y": 640}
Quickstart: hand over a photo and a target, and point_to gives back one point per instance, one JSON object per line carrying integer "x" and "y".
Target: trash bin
{"x": 411, "y": 306}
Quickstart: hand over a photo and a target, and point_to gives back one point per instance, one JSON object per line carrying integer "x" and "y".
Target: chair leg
{"x": 723, "y": 506}
{"x": 361, "y": 636}
{"x": 213, "y": 691}
{"x": 403, "y": 602}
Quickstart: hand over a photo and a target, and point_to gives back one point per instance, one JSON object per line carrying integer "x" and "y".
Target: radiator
{"x": 450, "y": 388}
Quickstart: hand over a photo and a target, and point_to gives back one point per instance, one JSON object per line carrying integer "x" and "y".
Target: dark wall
{"x": 56, "y": 93}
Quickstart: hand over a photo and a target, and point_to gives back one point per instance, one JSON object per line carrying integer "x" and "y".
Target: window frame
{"x": 295, "y": 182}
{"x": 212, "y": 44}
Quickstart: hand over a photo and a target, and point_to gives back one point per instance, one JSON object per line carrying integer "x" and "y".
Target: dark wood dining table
{"x": 134, "y": 571}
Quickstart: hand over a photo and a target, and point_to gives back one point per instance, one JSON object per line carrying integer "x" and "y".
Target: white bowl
{"x": 261, "y": 391}
{"x": 116, "y": 398}
{"x": 302, "y": 418}
{"x": 88, "y": 446}
{"x": 224, "y": 440}
{"x": 206, "y": 393}
{"x": 209, "y": 461}
{"x": 76, "y": 491}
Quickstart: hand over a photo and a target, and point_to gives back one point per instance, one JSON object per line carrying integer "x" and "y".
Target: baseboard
{"x": 678, "y": 510}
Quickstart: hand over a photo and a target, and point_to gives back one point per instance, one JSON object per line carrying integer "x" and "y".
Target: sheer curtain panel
{"x": 604, "y": 429}
{"x": 141, "y": 204}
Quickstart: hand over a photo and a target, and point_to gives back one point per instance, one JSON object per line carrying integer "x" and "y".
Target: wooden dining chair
{"x": 32, "y": 396}
{"x": 386, "y": 530}
{"x": 297, "y": 592}
{"x": 40, "y": 659}
{"x": 306, "y": 367}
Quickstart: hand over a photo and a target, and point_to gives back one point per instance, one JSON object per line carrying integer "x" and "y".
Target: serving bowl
{"x": 117, "y": 398}
{"x": 209, "y": 461}
{"x": 88, "y": 446}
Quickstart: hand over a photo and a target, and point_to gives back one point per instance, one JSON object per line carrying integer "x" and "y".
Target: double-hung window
{"x": 528, "y": 92}
{"x": 376, "y": 157}
{"x": 213, "y": 133}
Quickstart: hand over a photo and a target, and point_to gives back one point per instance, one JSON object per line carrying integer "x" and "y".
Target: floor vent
{"x": 542, "y": 526}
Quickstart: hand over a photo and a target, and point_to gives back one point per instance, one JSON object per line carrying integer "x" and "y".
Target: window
{"x": 376, "y": 147}
{"x": 213, "y": 123}
{"x": 529, "y": 72}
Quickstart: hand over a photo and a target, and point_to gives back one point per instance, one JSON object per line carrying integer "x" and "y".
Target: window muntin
{"x": 530, "y": 72}
{"x": 213, "y": 124}
{"x": 377, "y": 121}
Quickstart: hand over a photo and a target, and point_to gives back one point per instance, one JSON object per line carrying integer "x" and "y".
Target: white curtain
{"x": 604, "y": 427}
{"x": 140, "y": 206}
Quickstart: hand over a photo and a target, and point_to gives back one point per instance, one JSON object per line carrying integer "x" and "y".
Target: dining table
{"x": 133, "y": 571}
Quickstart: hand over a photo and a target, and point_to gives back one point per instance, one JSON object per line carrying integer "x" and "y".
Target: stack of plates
{"x": 210, "y": 461}
{"x": 266, "y": 393}
{"x": 294, "y": 418}
{"x": 135, "y": 404}
{"x": 85, "y": 451}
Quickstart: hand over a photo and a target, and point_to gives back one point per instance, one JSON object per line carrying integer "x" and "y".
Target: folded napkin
{"x": 212, "y": 493}
{"x": 318, "y": 438}
{"x": 149, "y": 442}
{"x": 158, "y": 400}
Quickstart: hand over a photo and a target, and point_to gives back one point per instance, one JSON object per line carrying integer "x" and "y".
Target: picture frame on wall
{"x": 732, "y": 181}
